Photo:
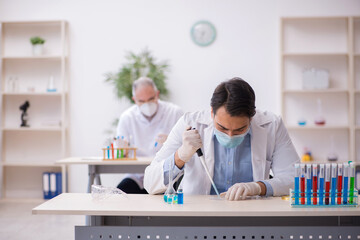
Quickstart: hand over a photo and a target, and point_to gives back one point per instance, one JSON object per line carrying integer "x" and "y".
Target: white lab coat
{"x": 271, "y": 148}
{"x": 142, "y": 133}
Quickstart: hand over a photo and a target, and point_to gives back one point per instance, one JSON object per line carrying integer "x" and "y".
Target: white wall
{"x": 247, "y": 46}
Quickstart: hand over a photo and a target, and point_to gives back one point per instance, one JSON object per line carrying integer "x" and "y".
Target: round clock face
{"x": 203, "y": 33}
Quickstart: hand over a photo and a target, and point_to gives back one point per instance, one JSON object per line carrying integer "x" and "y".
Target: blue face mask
{"x": 227, "y": 141}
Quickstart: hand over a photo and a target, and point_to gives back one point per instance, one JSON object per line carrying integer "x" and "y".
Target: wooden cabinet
{"x": 27, "y": 152}
{"x": 330, "y": 44}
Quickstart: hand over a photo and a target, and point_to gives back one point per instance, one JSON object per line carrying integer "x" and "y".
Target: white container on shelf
{"x": 313, "y": 78}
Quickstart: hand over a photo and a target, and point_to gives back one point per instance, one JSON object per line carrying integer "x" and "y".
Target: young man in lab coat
{"x": 146, "y": 125}
{"x": 240, "y": 145}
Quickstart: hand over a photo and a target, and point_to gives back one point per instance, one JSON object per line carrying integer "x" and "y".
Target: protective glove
{"x": 239, "y": 191}
{"x": 161, "y": 138}
{"x": 191, "y": 142}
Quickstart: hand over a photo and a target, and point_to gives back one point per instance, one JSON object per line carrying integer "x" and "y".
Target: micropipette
{"x": 202, "y": 160}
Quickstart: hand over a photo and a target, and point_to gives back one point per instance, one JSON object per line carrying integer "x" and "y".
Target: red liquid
{"x": 339, "y": 188}
{"x": 327, "y": 192}
{"x": 315, "y": 184}
{"x": 302, "y": 190}
{"x": 112, "y": 150}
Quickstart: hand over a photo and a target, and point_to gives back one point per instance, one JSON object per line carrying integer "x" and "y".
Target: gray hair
{"x": 143, "y": 81}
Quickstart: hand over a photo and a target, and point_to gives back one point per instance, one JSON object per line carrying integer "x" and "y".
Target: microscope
{"x": 24, "y": 116}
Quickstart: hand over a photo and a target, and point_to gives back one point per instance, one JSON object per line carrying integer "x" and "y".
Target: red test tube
{"x": 315, "y": 183}
{"x": 339, "y": 183}
{"x": 302, "y": 184}
{"x": 327, "y": 184}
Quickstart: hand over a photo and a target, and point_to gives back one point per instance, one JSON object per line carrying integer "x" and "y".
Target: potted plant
{"x": 141, "y": 65}
{"x": 137, "y": 65}
{"x": 37, "y": 45}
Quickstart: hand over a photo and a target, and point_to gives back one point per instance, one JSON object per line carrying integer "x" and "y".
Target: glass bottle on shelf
{"x": 319, "y": 119}
{"x": 332, "y": 156}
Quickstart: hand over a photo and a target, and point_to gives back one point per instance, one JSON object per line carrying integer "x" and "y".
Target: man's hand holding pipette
{"x": 190, "y": 144}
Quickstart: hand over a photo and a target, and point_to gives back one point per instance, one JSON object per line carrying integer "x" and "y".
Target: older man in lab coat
{"x": 146, "y": 125}
{"x": 240, "y": 146}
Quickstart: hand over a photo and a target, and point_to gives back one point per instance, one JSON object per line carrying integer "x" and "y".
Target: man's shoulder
{"x": 169, "y": 105}
{"x": 130, "y": 112}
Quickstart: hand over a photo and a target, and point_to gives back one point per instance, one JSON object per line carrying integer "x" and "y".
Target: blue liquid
{"x": 345, "y": 192}
{"x": 108, "y": 152}
{"x": 308, "y": 190}
{"x": 165, "y": 198}
{"x": 170, "y": 199}
{"x": 297, "y": 184}
{"x": 180, "y": 198}
{"x": 321, "y": 191}
{"x": 333, "y": 190}
{"x": 302, "y": 123}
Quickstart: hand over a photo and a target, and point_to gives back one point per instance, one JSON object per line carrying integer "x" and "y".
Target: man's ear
{"x": 133, "y": 99}
{"x": 158, "y": 94}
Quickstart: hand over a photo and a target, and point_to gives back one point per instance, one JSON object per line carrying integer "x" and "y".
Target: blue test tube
{"x": 108, "y": 152}
{"x": 321, "y": 184}
{"x": 297, "y": 183}
{"x": 333, "y": 183}
{"x": 308, "y": 184}
{"x": 346, "y": 183}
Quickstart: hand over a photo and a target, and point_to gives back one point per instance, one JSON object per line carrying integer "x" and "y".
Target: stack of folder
{"x": 52, "y": 184}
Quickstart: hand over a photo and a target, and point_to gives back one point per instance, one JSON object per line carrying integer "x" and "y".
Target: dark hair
{"x": 236, "y": 96}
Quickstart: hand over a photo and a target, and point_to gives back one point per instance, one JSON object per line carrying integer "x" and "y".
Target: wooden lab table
{"x": 97, "y": 166}
{"x": 202, "y": 217}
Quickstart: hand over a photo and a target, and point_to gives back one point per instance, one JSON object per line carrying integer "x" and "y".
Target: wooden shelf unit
{"x": 26, "y": 152}
{"x": 331, "y": 43}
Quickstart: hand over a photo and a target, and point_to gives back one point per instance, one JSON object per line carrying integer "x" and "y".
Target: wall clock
{"x": 203, "y": 33}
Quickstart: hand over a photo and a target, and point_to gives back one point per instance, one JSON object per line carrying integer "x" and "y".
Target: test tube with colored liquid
{"x": 339, "y": 183}
{"x": 327, "y": 183}
{"x": 333, "y": 183}
{"x": 314, "y": 183}
{"x": 122, "y": 145}
{"x": 321, "y": 184}
{"x": 302, "y": 184}
{"x": 297, "y": 182}
{"x": 352, "y": 182}
{"x": 346, "y": 183}
{"x": 308, "y": 184}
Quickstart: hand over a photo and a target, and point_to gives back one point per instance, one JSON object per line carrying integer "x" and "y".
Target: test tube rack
{"x": 123, "y": 153}
{"x": 322, "y": 196}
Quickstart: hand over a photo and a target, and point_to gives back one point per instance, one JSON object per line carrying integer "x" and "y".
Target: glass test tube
{"x": 339, "y": 183}
{"x": 297, "y": 182}
{"x": 321, "y": 184}
{"x": 346, "y": 183}
{"x": 314, "y": 183}
{"x": 302, "y": 184}
{"x": 308, "y": 184}
{"x": 352, "y": 182}
{"x": 333, "y": 183}
{"x": 327, "y": 183}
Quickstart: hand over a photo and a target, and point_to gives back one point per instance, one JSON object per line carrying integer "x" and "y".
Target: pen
{"x": 333, "y": 183}
{"x": 321, "y": 183}
{"x": 352, "y": 182}
{"x": 308, "y": 183}
{"x": 327, "y": 183}
{"x": 339, "y": 183}
{"x": 297, "y": 183}
{"x": 302, "y": 184}
{"x": 346, "y": 183}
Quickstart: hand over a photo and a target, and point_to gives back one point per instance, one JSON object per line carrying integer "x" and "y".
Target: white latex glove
{"x": 161, "y": 138}
{"x": 191, "y": 143}
{"x": 239, "y": 191}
